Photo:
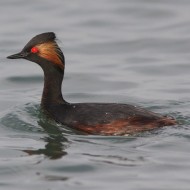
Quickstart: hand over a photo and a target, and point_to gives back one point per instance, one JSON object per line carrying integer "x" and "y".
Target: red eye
{"x": 34, "y": 50}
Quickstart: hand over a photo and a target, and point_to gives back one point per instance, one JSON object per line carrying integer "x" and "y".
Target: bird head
{"x": 42, "y": 49}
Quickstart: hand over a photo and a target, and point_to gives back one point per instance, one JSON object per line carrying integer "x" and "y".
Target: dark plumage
{"x": 91, "y": 118}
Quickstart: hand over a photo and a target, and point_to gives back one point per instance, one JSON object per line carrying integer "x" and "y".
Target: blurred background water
{"x": 125, "y": 51}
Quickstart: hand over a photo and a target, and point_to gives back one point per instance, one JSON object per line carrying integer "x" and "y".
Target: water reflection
{"x": 56, "y": 142}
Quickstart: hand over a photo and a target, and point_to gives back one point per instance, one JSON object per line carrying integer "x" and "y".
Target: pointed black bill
{"x": 18, "y": 55}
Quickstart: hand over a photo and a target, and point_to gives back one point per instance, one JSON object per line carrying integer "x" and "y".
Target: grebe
{"x": 90, "y": 118}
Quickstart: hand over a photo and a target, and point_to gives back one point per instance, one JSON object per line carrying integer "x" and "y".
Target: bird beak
{"x": 18, "y": 55}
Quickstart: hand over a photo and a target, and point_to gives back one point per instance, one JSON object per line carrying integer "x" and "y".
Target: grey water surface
{"x": 125, "y": 51}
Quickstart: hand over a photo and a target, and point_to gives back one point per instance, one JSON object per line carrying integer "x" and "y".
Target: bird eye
{"x": 34, "y": 50}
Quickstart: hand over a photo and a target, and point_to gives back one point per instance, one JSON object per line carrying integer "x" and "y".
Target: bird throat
{"x": 52, "y": 94}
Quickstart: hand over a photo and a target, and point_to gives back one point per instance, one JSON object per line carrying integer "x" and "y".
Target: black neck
{"x": 52, "y": 94}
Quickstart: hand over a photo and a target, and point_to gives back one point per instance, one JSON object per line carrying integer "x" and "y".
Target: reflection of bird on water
{"x": 56, "y": 142}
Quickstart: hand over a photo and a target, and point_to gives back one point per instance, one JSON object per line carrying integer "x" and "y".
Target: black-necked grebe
{"x": 91, "y": 118}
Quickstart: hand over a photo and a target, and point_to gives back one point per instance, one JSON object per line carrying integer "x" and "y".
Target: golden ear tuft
{"x": 50, "y": 52}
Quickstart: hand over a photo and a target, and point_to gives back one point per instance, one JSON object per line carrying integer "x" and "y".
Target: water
{"x": 116, "y": 51}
